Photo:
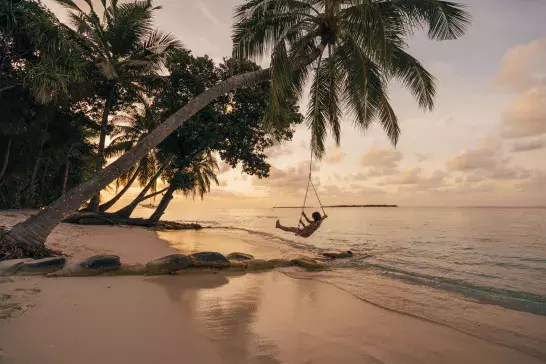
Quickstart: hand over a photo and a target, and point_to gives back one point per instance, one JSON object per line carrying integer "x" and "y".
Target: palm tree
{"x": 124, "y": 47}
{"x": 369, "y": 34}
{"x": 130, "y": 130}
{"x": 193, "y": 180}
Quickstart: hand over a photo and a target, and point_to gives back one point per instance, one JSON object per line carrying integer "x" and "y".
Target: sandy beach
{"x": 253, "y": 318}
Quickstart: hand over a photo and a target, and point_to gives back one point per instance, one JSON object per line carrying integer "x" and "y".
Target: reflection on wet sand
{"x": 270, "y": 318}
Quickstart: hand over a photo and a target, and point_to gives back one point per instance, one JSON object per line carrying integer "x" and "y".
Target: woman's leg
{"x": 286, "y": 228}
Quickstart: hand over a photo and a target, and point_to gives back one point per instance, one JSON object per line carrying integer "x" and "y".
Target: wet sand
{"x": 253, "y": 318}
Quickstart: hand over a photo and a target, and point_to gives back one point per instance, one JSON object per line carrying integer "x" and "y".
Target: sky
{"x": 484, "y": 144}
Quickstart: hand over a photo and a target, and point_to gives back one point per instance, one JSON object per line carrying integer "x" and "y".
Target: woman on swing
{"x": 307, "y": 230}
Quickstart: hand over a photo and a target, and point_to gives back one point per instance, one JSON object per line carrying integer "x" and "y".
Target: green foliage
{"x": 36, "y": 53}
{"x": 353, "y": 48}
{"x": 230, "y": 126}
{"x": 43, "y": 140}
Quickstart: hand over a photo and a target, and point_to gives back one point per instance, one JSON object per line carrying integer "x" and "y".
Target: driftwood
{"x": 91, "y": 218}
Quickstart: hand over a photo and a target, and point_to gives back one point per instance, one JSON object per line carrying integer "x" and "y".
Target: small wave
{"x": 515, "y": 300}
{"x": 534, "y": 260}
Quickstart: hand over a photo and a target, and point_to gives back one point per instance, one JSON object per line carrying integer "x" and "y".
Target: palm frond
{"x": 118, "y": 148}
{"x": 333, "y": 73}
{"x": 151, "y": 54}
{"x": 365, "y": 93}
{"x": 415, "y": 77}
{"x": 444, "y": 19}
{"x": 70, "y": 5}
{"x": 281, "y": 86}
{"x": 261, "y": 24}
{"x": 316, "y": 116}
{"x": 131, "y": 24}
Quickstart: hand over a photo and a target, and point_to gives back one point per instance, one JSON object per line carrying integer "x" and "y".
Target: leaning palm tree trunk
{"x": 107, "y": 205}
{"x": 153, "y": 194}
{"x": 28, "y": 237}
{"x": 160, "y": 210}
{"x": 128, "y": 210}
{"x": 94, "y": 203}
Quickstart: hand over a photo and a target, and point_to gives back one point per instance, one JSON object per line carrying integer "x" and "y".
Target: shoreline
{"x": 243, "y": 305}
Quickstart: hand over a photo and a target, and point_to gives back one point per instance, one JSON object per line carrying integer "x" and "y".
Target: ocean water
{"x": 478, "y": 270}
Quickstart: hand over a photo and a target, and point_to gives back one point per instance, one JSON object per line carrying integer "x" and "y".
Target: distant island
{"x": 334, "y": 206}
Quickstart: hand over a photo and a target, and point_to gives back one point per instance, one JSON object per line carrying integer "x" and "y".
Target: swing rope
{"x": 310, "y": 182}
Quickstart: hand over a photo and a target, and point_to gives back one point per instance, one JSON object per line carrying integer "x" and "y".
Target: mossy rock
{"x": 41, "y": 266}
{"x": 236, "y": 265}
{"x": 280, "y": 263}
{"x": 209, "y": 260}
{"x": 168, "y": 264}
{"x": 92, "y": 266}
{"x": 338, "y": 254}
{"x": 9, "y": 267}
{"x": 239, "y": 256}
{"x": 137, "y": 269}
{"x": 258, "y": 264}
{"x": 196, "y": 271}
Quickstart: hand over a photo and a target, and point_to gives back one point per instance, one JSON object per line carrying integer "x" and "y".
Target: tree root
{"x": 12, "y": 249}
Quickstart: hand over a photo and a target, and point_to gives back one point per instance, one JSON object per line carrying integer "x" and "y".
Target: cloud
{"x": 381, "y": 162}
{"x": 421, "y": 157}
{"x": 535, "y": 182}
{"x": 357, "y": 177}
{"x": 415, "y": 176}
{"x": 527, "y": 145}
{"x": 278, "y": 151}
{"x": 336, "y": 157}
{"x": 381, "y": 158}
{"x": 485, "y": 162}
{"x": 523, "y": 67}
{"x": 523, "y": 70}
{"x": 287, "y": 180}
{"x": 223, "y": 183}
{"x": 352, "y": 194}
{"x": 527, "y": 114}
{"x": 472, "y": 159}
{"x": 205, "y": 11}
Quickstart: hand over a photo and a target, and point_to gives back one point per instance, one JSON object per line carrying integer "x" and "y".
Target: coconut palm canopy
{"x": 363, "y": 45}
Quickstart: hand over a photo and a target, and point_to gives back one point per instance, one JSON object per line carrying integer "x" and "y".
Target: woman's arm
{"x": 306, "y": 218}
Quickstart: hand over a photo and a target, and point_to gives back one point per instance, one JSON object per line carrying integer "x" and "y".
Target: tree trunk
{"x": 95, "y": 200}
{"x": 153, "y": 194}
{"x": 37, "y": 166}
{"x": 6, "y": 159}
{"x": 42, "y": 186}
{"x": 128, "y": 210}
{"x": 167, "y": 197}
{"x": 111, "y": 203}
{"x": 66, "y": 170}
{"x": 28, "y": 237}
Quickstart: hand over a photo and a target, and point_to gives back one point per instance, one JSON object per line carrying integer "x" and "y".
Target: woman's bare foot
{"x": 278, "y": 224}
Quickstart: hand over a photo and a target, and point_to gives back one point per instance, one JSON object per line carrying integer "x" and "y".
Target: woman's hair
{"x": 316, "y": 216}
